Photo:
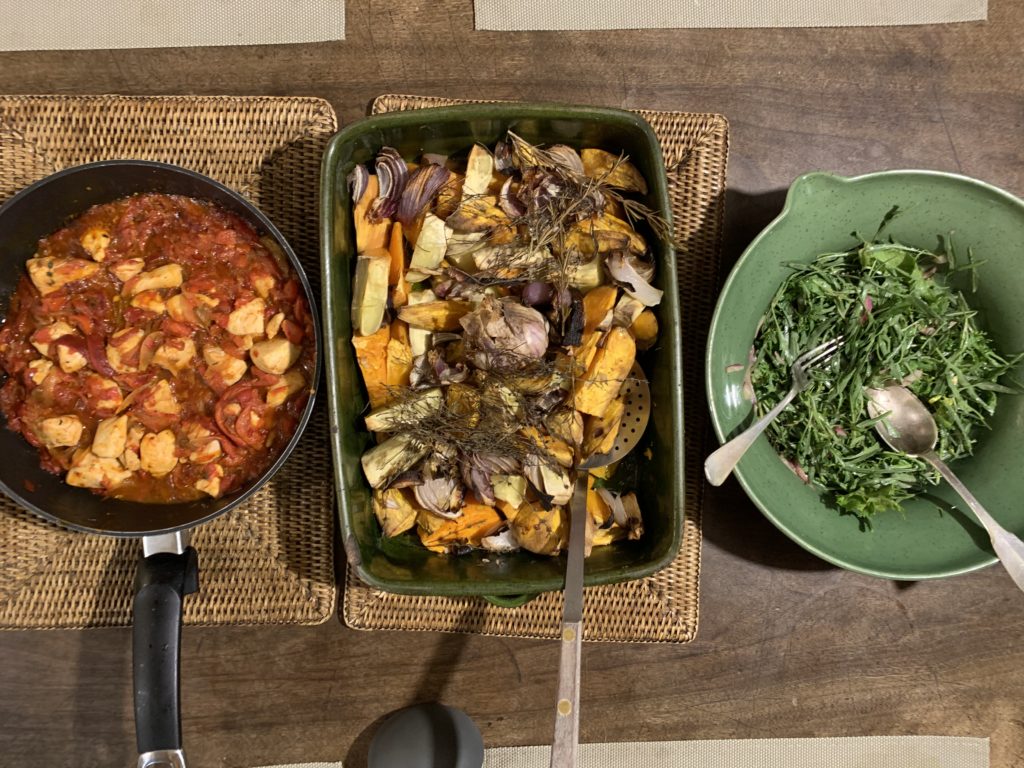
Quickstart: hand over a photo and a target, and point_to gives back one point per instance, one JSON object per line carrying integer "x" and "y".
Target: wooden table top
{"x": 788, "y": 646}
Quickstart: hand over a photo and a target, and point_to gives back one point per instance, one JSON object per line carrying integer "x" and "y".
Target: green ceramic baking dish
{"x": 401, "y": 564}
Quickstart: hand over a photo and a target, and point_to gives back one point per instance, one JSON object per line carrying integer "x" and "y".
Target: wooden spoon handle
{"x": 567, "y": 717}
{"x": 567, "y": 713}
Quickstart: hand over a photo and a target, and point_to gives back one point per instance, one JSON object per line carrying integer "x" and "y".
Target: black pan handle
{"x": 161, "y": 583}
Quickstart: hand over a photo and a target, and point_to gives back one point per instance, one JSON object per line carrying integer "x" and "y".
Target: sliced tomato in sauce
{"x": 221, "y": 257}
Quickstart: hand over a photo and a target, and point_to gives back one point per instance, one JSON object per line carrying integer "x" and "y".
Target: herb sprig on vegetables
{"x": 903, "y": 323}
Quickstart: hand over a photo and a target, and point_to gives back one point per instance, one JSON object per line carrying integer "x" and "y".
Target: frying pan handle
{"x": 161, "y": 583}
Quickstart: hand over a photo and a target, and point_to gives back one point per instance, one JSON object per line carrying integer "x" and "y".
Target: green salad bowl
{"x": 401, "y": 564}
{"x": 935, "y": 537}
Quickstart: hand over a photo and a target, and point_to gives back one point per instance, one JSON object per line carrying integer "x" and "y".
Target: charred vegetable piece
{"x": 384, "y": 462}
{"x": 396, "y": 271}
{"x": 541, "y": 531}
{"x": 478, "y": 214}
{"x": 409, "y": 411}
{"x": 600, "y": 431}
{"x": 394, "y": 511}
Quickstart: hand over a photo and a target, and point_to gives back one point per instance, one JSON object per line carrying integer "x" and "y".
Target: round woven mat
{"x": 662, "y": 607}
{"x": 272, "y": 560}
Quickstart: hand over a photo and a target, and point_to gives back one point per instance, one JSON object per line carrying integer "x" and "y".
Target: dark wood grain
{"x": 787, "y": 645}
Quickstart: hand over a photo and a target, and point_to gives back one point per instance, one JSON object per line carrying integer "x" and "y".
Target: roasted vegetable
{"x": 541, "y": 531}
{"x": 510, "y": 489}
{"x": 599, "y": 432}
{"x": 565, "y": 424}
{"x": 597, "y": 507}
{"x": 396, "y": 269}
{"x": 372, "y": 356}
{"x": 479, "y": 170}
{"x": 613, "y": 170}
{"x": 477, "y": 214}
{"x": 625, "y": 273}
{"x": 597, "y": 307}
{"x": 419, "y": 338}
{"x": 370, "y": 291}
{"x": 645, "y": 329}
{"x": 371, "y": 235}
{"x": 394, "y": 512}
{"x": 515, "y": 316}
{"x": 419, "y": 406}
{"x": 430, "y": 249}
{"x": 399, "y": 356}
{"x": 475, "y": 522}
{"x": 436, "y": 315}
{"x": 596, "y": 390}
{"x": 627, "y": 310}
{"x": 384, "y": 462}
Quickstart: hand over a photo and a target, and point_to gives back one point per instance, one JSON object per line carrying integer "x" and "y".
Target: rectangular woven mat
{"x": 662, "y": 607}
{"x": 272, "y": 560}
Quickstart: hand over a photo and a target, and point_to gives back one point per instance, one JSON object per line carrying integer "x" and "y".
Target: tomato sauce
{"x": 158, "y": 350}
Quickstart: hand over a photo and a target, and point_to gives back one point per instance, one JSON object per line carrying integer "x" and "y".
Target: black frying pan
{"x": 168, "y": 568}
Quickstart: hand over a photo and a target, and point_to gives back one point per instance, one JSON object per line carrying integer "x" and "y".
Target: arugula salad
{"x": 904, "y": 323}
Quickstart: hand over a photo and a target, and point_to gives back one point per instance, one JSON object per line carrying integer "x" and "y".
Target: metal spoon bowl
{"x": 906, "y": 425}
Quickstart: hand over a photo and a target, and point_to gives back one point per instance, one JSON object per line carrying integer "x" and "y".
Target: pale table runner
{"x": 36, "y": 25}
{"x": 521, "y": 15}
{"x": 850, "y": 752}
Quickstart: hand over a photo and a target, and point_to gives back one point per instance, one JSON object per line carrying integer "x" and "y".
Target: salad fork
{"x": 719, "y": 465}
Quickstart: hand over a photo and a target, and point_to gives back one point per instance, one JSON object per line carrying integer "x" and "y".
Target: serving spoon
{"x": 908, "y": 426}
{"x": 436, "y": 736}
{"x": 636, "y": 395}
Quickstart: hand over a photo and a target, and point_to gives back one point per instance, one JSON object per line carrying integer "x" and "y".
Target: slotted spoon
{"x": 637, "y": 396}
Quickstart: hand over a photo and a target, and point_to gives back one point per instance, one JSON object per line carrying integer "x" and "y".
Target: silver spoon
{"x": 907, "y": 426}
{"x": 427, "y": 736}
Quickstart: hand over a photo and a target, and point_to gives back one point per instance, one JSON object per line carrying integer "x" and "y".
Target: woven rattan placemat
{"x": 272, "y": 560}
{"x": 662, "y": 607}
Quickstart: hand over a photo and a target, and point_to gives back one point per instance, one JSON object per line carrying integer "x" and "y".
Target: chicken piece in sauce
{"x": 156, "y": 350}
